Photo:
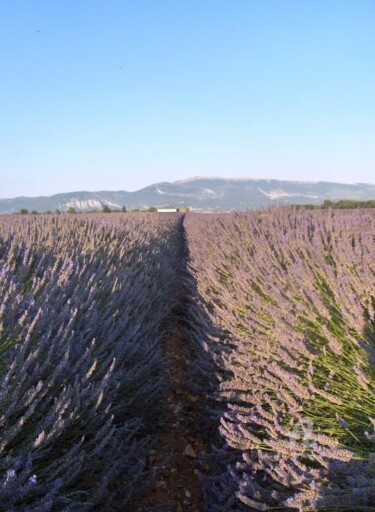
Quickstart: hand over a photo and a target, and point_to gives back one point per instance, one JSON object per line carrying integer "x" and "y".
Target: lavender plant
{"x": 286, "y": 333}
{"x": 84, "y": 304}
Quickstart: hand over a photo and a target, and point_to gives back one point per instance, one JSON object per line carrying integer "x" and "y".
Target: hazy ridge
{"x": 200, "y": 194}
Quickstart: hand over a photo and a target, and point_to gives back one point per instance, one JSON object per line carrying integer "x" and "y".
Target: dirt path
{"x": 177, "y": 488}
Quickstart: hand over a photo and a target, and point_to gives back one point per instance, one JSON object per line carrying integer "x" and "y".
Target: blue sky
{"x": 120, "y": 94}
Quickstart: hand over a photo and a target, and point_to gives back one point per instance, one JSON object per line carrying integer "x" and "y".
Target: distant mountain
{"x": 200, "y": 194}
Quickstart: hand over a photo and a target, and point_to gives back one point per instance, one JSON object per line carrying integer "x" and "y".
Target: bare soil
{"x": 177, "y": 487}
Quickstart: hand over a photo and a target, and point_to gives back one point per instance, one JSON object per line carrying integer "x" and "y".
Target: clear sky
{"x": 119, "y": 94}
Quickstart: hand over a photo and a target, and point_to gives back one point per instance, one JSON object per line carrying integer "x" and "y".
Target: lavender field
{"x": 288, "y": 332}
{"x": 278, "y": 307}
{"x": 85, "y": 302}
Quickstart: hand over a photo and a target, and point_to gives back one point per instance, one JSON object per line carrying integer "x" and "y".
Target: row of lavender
{"x": 285, "y": 334}
{"x": 84, "y": 304}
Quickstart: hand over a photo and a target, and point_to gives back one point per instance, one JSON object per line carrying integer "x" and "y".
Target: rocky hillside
{"x": 200, "y": 194}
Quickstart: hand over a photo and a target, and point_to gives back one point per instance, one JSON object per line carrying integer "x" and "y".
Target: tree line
{"x": 342, "y": 204}
{"x": 105, "y": 209}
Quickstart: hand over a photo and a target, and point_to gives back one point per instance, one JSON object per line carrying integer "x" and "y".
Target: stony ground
{"x": 177, "y": 488}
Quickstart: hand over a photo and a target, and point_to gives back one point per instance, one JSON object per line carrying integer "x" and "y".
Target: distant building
{"x": 168, "y": 210}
